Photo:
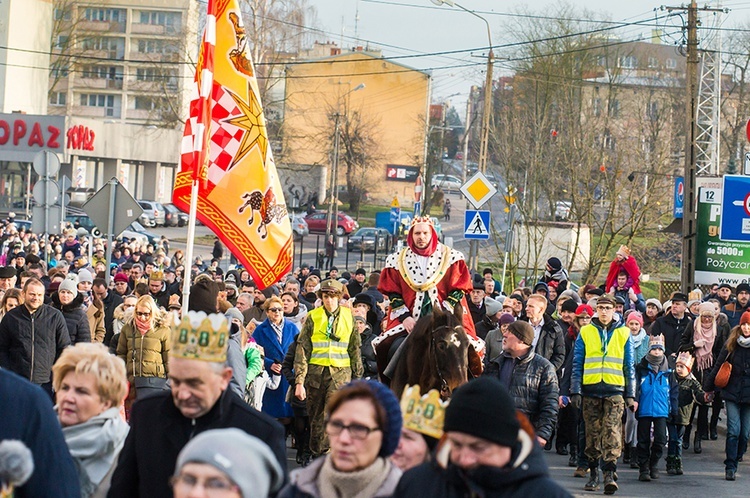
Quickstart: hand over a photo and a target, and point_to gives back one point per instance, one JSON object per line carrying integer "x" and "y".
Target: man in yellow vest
{"x": 327, "y": 357}
{"x": 603, "y": 381}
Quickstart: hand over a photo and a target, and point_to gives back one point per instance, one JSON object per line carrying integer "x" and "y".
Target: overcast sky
{"x": 416, "y": 27}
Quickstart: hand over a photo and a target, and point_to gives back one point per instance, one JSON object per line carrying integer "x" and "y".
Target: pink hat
{"x": 635, "y": 316}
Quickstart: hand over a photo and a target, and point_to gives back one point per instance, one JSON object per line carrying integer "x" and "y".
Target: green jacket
{"x": 147, "y": 355}
{"x": 690, "y": 392}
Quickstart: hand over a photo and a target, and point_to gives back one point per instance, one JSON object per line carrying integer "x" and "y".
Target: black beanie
{"x": 569, "y": 305}
{"x": 484, "y": 409}
{"x": 555, "y": 263}
{"x": 203, "y": 296}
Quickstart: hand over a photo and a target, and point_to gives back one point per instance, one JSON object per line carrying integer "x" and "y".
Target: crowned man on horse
{"x": 424, "y": 276}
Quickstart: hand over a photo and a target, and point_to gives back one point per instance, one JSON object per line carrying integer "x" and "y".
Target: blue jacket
{"x": 603, "y": 390}
{"x": 274, "y": 402}
{"x": 658, "y": 392}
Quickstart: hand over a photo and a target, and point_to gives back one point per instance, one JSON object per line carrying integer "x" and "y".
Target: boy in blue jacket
{"x": 657, "y": 393}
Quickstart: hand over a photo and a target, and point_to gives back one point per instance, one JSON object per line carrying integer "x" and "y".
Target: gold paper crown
{"x": 200, "y": 337}
{"x": 423, "y": 414}
{"x": 686, "y": 359}
{"x": 422, "y": 219}
{"x": 156, "y": 275}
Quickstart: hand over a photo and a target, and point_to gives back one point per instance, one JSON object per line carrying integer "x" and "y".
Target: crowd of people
{"x": 117, "y": 393}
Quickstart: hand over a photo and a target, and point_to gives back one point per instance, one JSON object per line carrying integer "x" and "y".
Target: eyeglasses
{"x": 213, "y": 486}
{"x": 275, "y": 310}
{"x": 356, "y": 431}
{"x": 143, "y": 314}
{"x": 605, "y": 308}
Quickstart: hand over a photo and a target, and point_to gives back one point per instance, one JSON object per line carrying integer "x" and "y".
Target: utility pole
{"x": 687, "y": 272}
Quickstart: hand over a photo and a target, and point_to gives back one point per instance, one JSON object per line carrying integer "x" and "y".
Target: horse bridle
{"x": 445, "y": 392}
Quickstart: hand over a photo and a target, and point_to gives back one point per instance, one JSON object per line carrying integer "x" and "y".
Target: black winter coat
{"x": 158, "y": 431}
{"x": 551, "y": 343}
{"x": 676, "y": 333}
{"x": 534, "y": 389}
{"x": 112, "y": 301}
{"x": 527, "y": 477}
{"x": 369, "y": 362}
{"x": 75, "y": 318}
{"x": 29, "y": 346}
{"x": 738, "y": 388}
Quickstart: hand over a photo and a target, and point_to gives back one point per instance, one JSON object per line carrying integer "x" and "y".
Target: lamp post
{"x": 485, "y": 138}
{"x": 333, "y": 204}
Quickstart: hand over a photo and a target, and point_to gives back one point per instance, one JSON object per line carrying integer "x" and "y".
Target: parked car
{"x": 345, "y": 225}
{"x": 299, "y": 225}
{"x": 364, "y": 239}
{"x": 22, "y": 224}
{"x": 562, "y": 210}
{"x": 83, "y": 221}
{"x": 446, "y": 182}
{"x": 174, "y": 217}
{"x": 136, "y": 231}
{"x": 154, "y": 211}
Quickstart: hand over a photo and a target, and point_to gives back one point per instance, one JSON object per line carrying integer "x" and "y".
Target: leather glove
{"x": 576, "y": 401}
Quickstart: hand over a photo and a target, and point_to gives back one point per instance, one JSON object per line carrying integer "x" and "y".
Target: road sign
{"x": 735, "y": 209}
{"x": 43, "y": 224}
{"x": 746, "y": 171}
{"x": 119, "y": 203}
{"x": 46, "y": 192}
{"x": 478, "y": 189}
{"x": 394, "y": 202}
{"x": 476, "y": 224}
{"x": 417, "y": 208}
{"x": 46, "y": 163}
{"x": 395, "y": 214}
{"x": 679, "y": 197}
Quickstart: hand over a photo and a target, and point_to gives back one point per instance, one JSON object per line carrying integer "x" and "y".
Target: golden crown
{"x": 422, "y": 219}
{"x": 423, "y": 414}
{"x": 156, "y": 275}
{"x": 200, "y": 337}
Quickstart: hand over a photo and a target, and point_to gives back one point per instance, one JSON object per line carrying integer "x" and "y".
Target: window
{"x": 58, "y": 98}
{"x": 166, "y": 19}
{"x": 104, "y": 15}
{"x": 62, "y": 14}
{"x": 602, "y": 60}
{"x": 653, "y": 62}
{"x": 627, "y": 62}
{"x": 652, "y": 111}
{"x": 145, "y": 103}
{"x": 61, "y": 41}
{"x": 100, "y": 100}
{"x": 59, "y": 72}
{"x": 671, "y": 64}
{"x": 156, "y": 47}
{"x": 597, "y": 107}
{"x": 614, "y": 108}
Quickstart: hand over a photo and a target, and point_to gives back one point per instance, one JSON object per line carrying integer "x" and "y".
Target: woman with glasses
{"x": 275, "y": 334}
{"x": 144, "y": 347}
{"x": 363, "y": 423}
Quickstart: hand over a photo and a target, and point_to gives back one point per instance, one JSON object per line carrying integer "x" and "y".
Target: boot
{"x": 713, "y": 434}
{"x": 562, "y": 450}
{"x": 580, "y": 472}
{"x": 644, "y": 474}
{"x": 678, "y": 465}
{"x": 593, "y": 484}
{"x": 633, "y": 458}
{"x": 573, "y": 460}
{"x": 626, "y": 454}
{"x": 686, "y": 438}
{"x": 610, "y": 486}
{"x": 671, "y": 466}
{"x": 654, "y": 472}
{"x": 697, "y": 448}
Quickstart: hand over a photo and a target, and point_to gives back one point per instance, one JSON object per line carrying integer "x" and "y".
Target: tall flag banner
{"x": 225, "y": 148}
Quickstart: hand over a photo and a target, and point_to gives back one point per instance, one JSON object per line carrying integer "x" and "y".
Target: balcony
{"x": 96, "y": 112}
{"x": 101, "y": 26}
{"x": 100, "y": 83}
{"x": 154, "y": 29}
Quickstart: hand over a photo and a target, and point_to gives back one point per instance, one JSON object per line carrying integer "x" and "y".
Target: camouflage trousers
{"x": 320, "y": 384}
{"x": 603, "y": 419}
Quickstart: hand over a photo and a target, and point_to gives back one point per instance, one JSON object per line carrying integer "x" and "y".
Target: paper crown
{"x": 423, "y": 414}
{"x": 156, "y": 276}
{"x": 422, "y": 219}
{"x": 686, "y": 359}
{"x": 200, "y": 337}
{"x": 656, "y": 341}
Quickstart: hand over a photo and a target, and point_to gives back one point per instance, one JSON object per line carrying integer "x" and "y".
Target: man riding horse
{"x": 421, "y": 277}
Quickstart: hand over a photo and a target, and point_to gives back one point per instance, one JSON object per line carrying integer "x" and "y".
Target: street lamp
{"x": 333, "y": 205}
{"x": 484, "y": 144}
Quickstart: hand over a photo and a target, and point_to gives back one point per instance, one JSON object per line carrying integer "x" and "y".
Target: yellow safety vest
{"x": 604, "y": 363}
{"x": 326, "y": 352}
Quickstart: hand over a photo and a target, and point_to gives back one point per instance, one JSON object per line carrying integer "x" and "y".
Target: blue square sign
{"x": 735, "y": 209}
{"x": 476, "y": 224}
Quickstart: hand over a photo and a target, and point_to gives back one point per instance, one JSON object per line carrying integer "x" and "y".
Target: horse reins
{"x": 445, "y": 392}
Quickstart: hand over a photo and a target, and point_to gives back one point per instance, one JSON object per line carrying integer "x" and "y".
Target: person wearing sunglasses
{"x": 363, "y": 422}
{"x": 275, "y": 334}
{"x": 144, "y": 347}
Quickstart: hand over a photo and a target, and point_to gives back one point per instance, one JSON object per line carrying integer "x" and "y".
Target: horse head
{"x": 449, "y": 347}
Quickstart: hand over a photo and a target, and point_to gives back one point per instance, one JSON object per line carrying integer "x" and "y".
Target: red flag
{"x": 225, "y": 146}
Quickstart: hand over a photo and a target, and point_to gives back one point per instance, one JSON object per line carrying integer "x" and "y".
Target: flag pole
{"x": 188, "y": 272}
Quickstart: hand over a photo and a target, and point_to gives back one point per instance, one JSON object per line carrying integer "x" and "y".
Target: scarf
{"x": 743, "y": 341}
{"x": 637, "y": 340}
{"x": 704, "y": 358}
{"x": 431, "y": 247}
{"x": 656, "y": 364}
{"x": 95, "y": 444}
{"x": 143, "y": 326}
{"x": 358, "y": 484}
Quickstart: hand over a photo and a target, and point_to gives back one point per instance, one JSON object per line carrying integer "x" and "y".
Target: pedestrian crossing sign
{"x": 477, "y": 224}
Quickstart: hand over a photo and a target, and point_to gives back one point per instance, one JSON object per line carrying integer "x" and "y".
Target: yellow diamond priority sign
{"x": 478, "y": 189}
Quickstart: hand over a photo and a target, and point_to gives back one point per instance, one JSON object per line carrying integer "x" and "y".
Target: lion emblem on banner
{"x": 265, "y": 206}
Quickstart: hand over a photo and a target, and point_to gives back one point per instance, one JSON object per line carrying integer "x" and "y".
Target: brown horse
{"x": 434, "y": 355}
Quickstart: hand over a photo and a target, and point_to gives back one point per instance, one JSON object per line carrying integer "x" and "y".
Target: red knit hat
{"x": 745, "y": 318}
{"x": 584, "y": 309}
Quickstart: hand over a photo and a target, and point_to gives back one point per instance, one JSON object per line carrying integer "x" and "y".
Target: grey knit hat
{"x": 85, "y": 276}
{"x": 246, "y": 460}
{"x": 69, "y": 284}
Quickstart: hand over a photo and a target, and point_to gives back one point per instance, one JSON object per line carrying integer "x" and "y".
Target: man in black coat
{"x": 549, "y": 338}
{"x": 673, "y": 326}
{"x": 161, "y": 425}
{"x": 111, "y": 300}
{"x": 32, "y": 337}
